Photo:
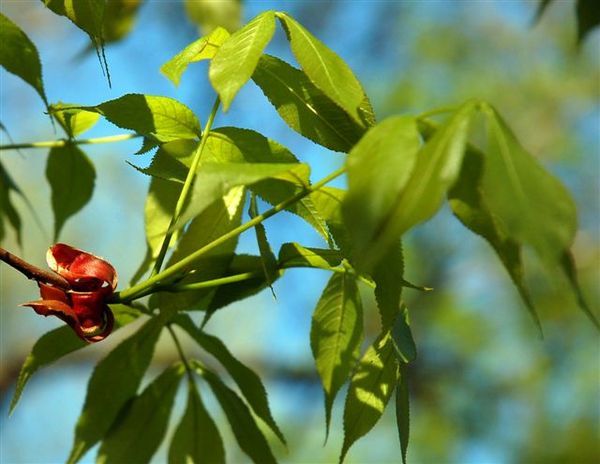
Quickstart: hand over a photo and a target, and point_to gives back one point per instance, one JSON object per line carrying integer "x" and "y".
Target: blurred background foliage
{"x": 485, "y": 388}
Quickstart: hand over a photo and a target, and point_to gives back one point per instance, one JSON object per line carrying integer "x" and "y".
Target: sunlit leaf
{"x": 325, "y": 68}
{"x": 435, "y": 169}
{"x": 248, "y": 435}
{"x": 470, "y": 207}
{"x": 74, "y": 121}
{"x": 370, "y": 390}
{"x": 234, "y": 144}
{"x": 160, "y": 118}
{"x": 403, "y": 411}
{"x": 19, "y": 56}
{"x": 304, "y": 107}
{"x": 196, "y": 439}
{"x": 204, "y": 48}
{"x": 336, "y": 334}
{"x": 296, "y": 255}
{"x": 137, "y": 434}
{"x": 113, "y": 383}
{"x": 235, "y": 61}
{"x": 58, "y": 343}
{"x": 71, "y": 176}
{"x": 268, "y": 259}
{"x": 379, "y": 167}
{"x": 245, "y": 378}
{"x": 530, "y": 204}
{"x": 219, "y": 218}
{"x": 215, "y": 180}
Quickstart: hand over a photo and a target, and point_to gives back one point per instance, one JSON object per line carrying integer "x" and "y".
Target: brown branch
{"x": 33, "y": 272}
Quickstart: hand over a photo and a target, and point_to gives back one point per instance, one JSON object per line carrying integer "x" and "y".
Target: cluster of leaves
{"x": 399, "y": 170}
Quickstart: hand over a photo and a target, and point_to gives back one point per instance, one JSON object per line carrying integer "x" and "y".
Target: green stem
{"x": 427, "y": 114}
{"x": 182, "y": 356}
{"x": 185, "y": 190}
{"x": 181, "y": 266}
{"x": 64, "y": 142}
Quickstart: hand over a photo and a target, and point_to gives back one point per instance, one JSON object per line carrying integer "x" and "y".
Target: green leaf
{"x": 19, "y": 56}
{"x": 588, "y": 18}
{"x": 417, "y": 199}
{"x": 241, "y": 145}
{"x": 470, "y": 207}
{"x": 160, "y": 118}
{"x": 113, "y": 383}
{"x": 567, "y": 266}
{"x": 74, "y": 121}
{"x": 379, "y": 167}
{"x": 336, "y": 334}
{"x": 58, "y": 343}
{"x": 231, "y": 293}
{"x": 119, "y": 19}
{"x": 71, "y": 176}
{"x": 328, "y": 203}
{"x": 236, "y": 59}
{"x": 388, "y": 276}
{"x": 7, "y": 208}
{"x": 325, "y": 68}
{"x": 204, "y": 48}
{"x": 209, "y": 14}
{"x": 530, "y": 204}
{"x": 267, "y": 258}
{"x": 219, "y": 218}
{"x": 402, "y": 339}
{"x": 215, "y": 180}
{"x": 137, "y": 434}
{"x": 295, "y": 255}
{"x": 87, "y": 15}
{"x": 403, "y": 411}
{"x": 370, "y": 390}
{"x": 196, "y": 439}
{"x": 248, "y": 435}
{"x": 245, "y": 378}
{"x": 304, "y": 107}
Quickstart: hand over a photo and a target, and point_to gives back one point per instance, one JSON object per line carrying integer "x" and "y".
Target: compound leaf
{"x": 196, "y": 438}
{"x": 246, "y": 379}
{"x": 137, "y": 434}
{"x": 58, "y": 343}
{"x": 113, "y": 383}
{"x": 336, "y": 334}
{"x": 248, "y": 435}
{"x": 235, "y": 61}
